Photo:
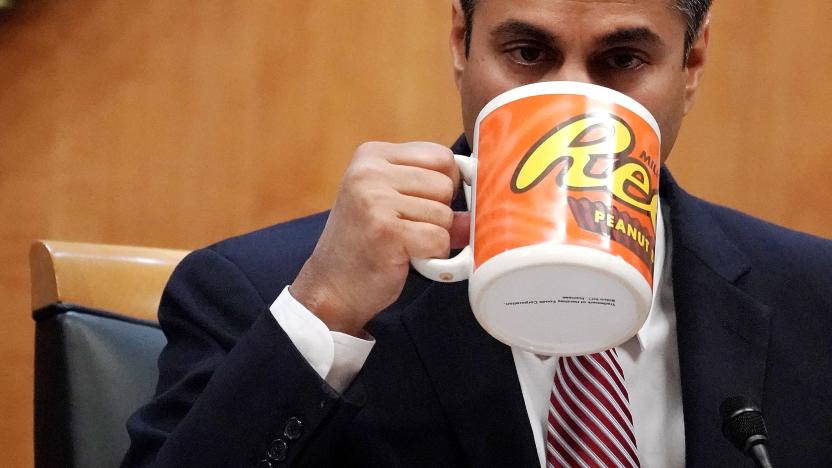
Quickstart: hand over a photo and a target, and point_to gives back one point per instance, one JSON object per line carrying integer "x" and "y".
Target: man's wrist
{"x": 324, "y": 304}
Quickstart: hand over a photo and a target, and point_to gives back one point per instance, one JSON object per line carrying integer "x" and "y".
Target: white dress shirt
{"x": 650, "y": 361}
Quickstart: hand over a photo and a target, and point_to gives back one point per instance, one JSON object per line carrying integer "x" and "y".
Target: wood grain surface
{"x": 175, "y": 124}
{"x": 123, "y": 279}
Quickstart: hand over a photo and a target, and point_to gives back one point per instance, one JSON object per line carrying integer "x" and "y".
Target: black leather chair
{"x": 92, "y": 370}
{"x": 93, "y": 367}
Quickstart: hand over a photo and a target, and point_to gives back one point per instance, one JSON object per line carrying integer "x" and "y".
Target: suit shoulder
{"x": 771, "y": 244}
{"x": 290, "y": 235}
{"x": 271, "y": 257}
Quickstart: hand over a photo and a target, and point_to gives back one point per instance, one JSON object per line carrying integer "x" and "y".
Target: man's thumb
{"x": 460, "y": 229}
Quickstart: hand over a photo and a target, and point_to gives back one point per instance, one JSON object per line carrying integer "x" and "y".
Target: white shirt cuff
{"x": 336, "y": 357}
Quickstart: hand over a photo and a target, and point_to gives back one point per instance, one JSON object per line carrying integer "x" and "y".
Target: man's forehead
{"x": 585, "y": 15}
{"x": 624, "y": 2}
{"x": 548, "y": 4}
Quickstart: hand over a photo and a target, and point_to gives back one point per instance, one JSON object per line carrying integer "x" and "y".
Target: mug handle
{"x": 458, "y": 268}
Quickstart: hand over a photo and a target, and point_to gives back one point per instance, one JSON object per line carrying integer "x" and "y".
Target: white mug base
{"x": 555, "y": 299}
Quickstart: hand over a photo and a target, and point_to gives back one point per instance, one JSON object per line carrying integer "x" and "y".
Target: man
{"x": 361, "y": 361}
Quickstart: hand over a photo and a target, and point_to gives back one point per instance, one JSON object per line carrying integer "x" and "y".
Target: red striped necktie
{"x": 589, "y": 423}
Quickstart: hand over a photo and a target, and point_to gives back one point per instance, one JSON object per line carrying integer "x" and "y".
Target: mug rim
{"x": 577, "y": 88}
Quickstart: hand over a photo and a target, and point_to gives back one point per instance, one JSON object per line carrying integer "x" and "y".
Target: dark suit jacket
{"x": 754, "y": 317}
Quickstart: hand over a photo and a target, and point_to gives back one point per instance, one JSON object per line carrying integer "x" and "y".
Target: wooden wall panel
{"x": 759, "y": 137}
{"x": 175, "y": 124}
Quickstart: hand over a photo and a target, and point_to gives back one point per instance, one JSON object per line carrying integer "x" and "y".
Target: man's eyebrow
{"x": 514, "y": 29}
{"x": 631, "y": 35}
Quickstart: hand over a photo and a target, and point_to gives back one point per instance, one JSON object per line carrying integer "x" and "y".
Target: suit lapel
{"x": 474, "y": 378}
{"x": 722, "y": 332}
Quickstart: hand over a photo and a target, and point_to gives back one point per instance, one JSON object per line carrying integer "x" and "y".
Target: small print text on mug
{"x": 602, "y": 301}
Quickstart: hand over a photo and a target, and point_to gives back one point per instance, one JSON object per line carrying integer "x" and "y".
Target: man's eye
{"x": 624, "y": 61}
{"x": 528, "y": 55}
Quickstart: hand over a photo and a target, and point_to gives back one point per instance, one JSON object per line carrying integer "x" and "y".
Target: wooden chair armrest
{"x": 127, "y": 280}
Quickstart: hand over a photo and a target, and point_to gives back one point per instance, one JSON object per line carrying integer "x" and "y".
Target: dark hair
{"x": 693, "y": 10}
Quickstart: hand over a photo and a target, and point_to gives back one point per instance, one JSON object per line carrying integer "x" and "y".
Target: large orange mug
{"x": 564, "y": 198}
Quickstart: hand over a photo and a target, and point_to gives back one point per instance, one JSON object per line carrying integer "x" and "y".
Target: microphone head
{"x": 742, "y": 422}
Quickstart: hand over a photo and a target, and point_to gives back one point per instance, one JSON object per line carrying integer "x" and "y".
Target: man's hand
{"x": 393, "y": 204}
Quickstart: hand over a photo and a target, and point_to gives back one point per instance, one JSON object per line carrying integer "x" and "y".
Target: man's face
{"x": 633, "y": 46}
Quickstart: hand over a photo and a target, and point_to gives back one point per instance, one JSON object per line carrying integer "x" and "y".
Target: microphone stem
{"x": 760, "y": 456}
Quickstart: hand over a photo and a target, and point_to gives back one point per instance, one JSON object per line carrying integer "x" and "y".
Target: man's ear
{"x": 695, "y": 64}
{"x": 459, "y": 54}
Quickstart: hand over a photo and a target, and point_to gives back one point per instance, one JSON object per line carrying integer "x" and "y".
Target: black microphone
{"x": 744, "y": 426}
